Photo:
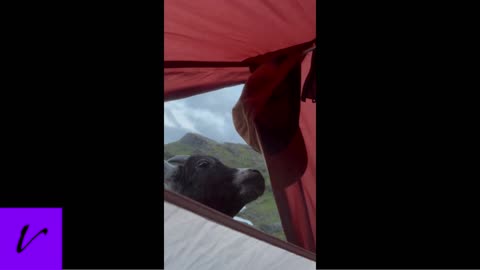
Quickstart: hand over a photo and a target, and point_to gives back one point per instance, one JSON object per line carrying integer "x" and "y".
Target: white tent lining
{"x": 229, "y": 222}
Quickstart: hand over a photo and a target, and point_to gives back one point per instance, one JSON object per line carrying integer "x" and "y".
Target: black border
{"x": 397, "y": 182}
{"x": 82, "y": 122}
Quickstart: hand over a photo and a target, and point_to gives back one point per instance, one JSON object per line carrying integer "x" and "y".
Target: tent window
{"x": 202, "y": 124}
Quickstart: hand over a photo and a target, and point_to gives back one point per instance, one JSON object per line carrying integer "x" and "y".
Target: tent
{"x": 197, "y": 237}
{"x": 270, "y": 46}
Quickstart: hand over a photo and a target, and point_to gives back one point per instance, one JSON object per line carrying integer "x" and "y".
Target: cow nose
{"x": 251, "y": 184}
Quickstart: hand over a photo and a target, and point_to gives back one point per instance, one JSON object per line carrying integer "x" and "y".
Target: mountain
{"x": 262, "y": 212}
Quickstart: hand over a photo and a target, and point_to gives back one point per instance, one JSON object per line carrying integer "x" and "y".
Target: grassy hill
{"x": 262, "y": 212}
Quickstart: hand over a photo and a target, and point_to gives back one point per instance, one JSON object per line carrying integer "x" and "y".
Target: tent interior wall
{"x": 211, "y": 240}
{"x": 268, "y": 46}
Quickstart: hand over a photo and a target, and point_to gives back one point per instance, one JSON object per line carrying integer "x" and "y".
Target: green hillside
{"x": 262, "y": 212}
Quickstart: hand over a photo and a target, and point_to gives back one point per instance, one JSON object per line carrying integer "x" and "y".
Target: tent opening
{"x": 202, "y": 124}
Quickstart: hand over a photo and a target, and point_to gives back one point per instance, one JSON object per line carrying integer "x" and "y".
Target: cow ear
{"x": 168, "y": 170}
{"x": 178, "y": 160}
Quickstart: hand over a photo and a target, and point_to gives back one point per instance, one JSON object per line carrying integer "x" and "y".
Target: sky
{"x": 208, "y": 114}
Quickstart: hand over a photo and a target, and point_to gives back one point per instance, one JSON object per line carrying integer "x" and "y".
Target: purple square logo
{"x": 31, "y": 238}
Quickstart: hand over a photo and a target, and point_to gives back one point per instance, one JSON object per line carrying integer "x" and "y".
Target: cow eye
{"x": 202, "y": 164}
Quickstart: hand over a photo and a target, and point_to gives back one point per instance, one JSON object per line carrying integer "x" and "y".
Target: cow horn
{"x": 180, "y": 159}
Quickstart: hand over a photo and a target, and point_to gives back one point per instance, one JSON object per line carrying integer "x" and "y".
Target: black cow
{"x": 207, "y": 180}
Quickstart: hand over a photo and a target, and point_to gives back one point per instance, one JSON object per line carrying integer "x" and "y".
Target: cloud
{"x": 208, "y": 114}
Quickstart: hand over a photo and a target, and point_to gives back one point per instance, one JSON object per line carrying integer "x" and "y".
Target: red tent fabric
{"x": 211, "y": 44}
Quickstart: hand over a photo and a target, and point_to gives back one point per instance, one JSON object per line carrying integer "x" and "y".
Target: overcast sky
{"x": 208, "y": 114}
